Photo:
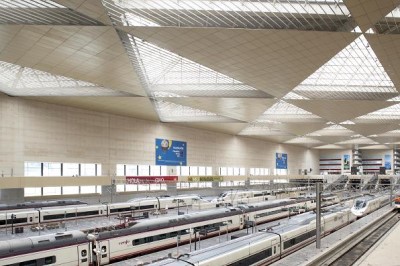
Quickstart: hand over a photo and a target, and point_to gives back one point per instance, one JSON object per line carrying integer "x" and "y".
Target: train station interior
{"x": 116, "y": 115}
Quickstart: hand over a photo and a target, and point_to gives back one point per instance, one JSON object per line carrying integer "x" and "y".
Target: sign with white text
{"x": 150, "y": 179}
{"x": 170, "y": 152}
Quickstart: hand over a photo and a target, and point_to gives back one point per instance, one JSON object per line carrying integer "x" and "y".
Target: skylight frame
{"x": 165, "y": 72}
{"x": 355, "y": 73}
{"x": 24, "y": 81}
{"x": 279, "y": 14}
{"x": 172, "y": 112}
{"x": 32, "y": 12}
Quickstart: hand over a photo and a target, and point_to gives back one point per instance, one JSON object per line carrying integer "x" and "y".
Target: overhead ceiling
{"x": 322, "y": 74}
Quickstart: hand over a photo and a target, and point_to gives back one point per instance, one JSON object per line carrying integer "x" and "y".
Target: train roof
{"x": 35, "y": 243}
{"x": 242, "y": 242}
{"x": 217, "y": 250}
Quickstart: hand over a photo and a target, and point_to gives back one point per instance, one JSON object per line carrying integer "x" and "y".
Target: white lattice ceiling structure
{"x": 322, "y": 74}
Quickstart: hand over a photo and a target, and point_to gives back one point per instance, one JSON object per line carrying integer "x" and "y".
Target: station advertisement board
{"x": 388, "y": 162}
{"x": 281, "y": 160}
{"x": 171, "y": 152}
{"x": 150, "y": 179}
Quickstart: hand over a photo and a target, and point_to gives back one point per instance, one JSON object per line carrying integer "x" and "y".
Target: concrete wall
{"x": 36, "y": 131}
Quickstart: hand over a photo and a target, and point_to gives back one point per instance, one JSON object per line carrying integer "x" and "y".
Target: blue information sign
{"x": 281, "y": 160}
{"x": 170, "y": 152}
{"x": 388, "y": 162}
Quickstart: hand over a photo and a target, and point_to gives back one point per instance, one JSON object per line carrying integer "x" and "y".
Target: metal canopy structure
{"x": 314, "y": 73}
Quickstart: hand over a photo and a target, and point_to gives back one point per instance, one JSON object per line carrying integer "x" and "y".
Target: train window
{"x": 29, "y": 263}
{"x": 83, "y": 253}
{"x": 49, "y": 260}
{"x": 274, "y": 249}
{"x": 103, "y": 249}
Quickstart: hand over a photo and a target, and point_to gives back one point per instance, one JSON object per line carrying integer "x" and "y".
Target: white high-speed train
{"x": 265, "y": 247}
{"x": 47, "y": 215}
{"x": 367, "y": 204}
{"x": 77, "y": 248}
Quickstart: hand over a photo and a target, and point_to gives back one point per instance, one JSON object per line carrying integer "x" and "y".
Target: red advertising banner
{"x": 150, "y": 179}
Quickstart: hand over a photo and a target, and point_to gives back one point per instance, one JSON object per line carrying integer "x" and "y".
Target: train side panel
{"x": 68, "y": 256}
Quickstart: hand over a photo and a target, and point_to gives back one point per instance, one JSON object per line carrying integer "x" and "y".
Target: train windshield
{"x": 222, "y": 195}
{"x": 360, "y": 204}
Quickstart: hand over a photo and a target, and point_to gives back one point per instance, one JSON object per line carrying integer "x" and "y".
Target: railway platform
{"x": 384, "y": 252}
{"x": 307, "y": 254}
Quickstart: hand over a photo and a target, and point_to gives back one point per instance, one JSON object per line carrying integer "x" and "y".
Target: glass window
{"x": 99, "y": 173}
{"x": 242, "y": 171}
{"x": 202, "y": 171}
{"x": 252, "y": 172}
{"x": 131, "y": 170}
{"x": 194, "y": 184}
{"x": 182, "y": 185}
{"x": 155, "y": 170}
{"x": 184, "y": 170}
{"x": 164, "y": 170}
{"x": 120, "y": 188}
{"x": 144, "y": 170}
{"x": 163, "y": 187}
{"x": 120, "y": 170}
{"x": 205, "y": 184}
{"x": 50, "y": 191}
{"x": 193, "y": 170}
{"x": 143, "y": 187}
{"x": 51, "y": 169}
{"x": 98, "y": 188}
{"x": 155, "y": 186}
{"x": 32, "y": 169}
{"x": 70, "y": 190}
{"x": 223, "y": 171}
{"x": 131, "y": 187}
{"x": 209, "y": 170}
{"x": 88, "y": 189}
{"x": 88, "y": 169}
{"x": 32, "y": 191}
{"x": 236, "y": 171}
{"x": 70, "y": 169}
{"x": 280, "y": 171}
{"x": 229, "y": 171}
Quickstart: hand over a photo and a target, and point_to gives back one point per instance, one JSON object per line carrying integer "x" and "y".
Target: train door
{"x": 31, "y": 218}
{"x": 104, "y": 252}
{"x": 275, "y": 246}
{"x": 83, "y": 255}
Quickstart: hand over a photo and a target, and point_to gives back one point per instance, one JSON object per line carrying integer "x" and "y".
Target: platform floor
{"x": 385, "y": 251}
{"x": 303, "y": 256}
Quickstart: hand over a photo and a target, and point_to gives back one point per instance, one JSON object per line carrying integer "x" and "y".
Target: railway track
{"x": 350, "y": 257}
{"x": 355, "y": 246}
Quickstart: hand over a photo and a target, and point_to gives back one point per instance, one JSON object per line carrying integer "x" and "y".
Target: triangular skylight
{"x": 286, "y": 112}
{"x": 347, "y": 122}
{"x": 389, "y": 113}
{"x": 355, "y": 73}
{"x": 304, "y": 140}
{"x": 328, "y": 15}
{"x": 390, "y": 24}
{"x": 332, "y": 130}
{"x": 170, "y": 74}
{"x": 293, "y": 96}
{"x": 269, "y": 128}
{"x": 358, "y": 140}
{"x": 172, "y": 112}
{"x": 16, "y": 80}
{"x": 36, "y": 12}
